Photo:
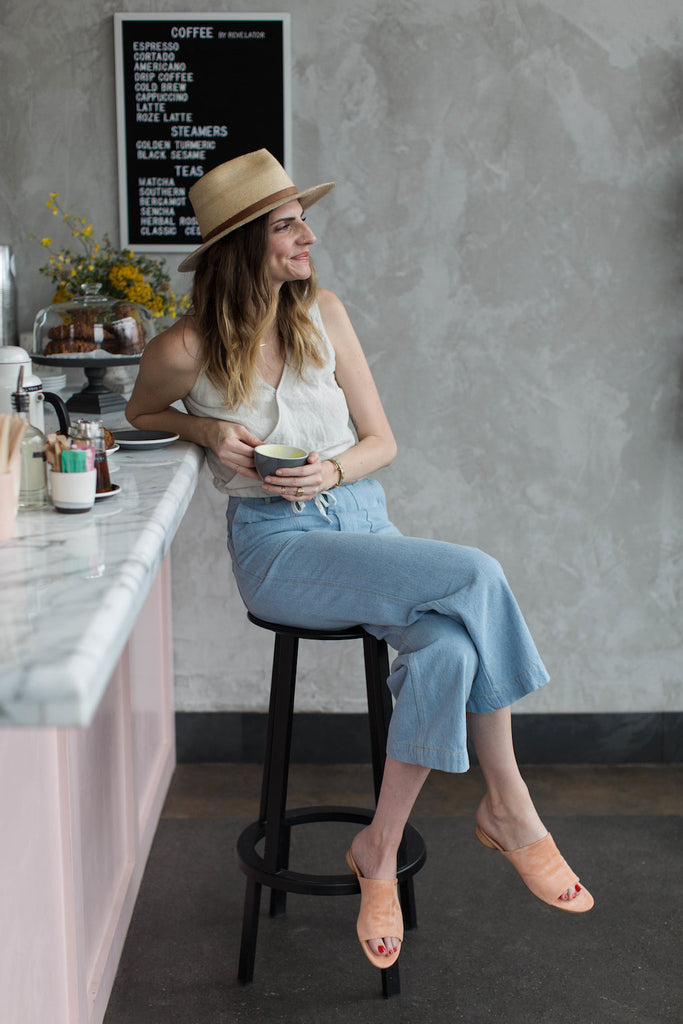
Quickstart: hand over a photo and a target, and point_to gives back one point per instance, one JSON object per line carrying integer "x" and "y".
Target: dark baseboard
{"x": 638, "y": 738}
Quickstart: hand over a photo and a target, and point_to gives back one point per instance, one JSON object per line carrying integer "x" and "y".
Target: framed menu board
{"x": 193, "y": 90}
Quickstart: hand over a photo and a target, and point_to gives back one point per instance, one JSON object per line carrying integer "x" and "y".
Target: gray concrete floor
{"x": 485, "y": 949}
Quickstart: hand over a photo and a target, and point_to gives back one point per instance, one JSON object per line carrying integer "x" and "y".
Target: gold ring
{"x": 299, "y": 492}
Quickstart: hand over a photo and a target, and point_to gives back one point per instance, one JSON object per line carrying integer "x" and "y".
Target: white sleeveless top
{"x": 309, "y": 412}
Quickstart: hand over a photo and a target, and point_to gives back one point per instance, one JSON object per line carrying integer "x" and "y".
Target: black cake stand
{"x": 95, "y": 397}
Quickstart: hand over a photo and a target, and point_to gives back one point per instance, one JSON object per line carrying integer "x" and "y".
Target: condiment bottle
{"x": 33, "y": 479}
{"x": 91, "y": 432}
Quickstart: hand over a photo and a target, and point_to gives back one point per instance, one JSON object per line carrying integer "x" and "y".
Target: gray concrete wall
{"x": 507, "y": 236}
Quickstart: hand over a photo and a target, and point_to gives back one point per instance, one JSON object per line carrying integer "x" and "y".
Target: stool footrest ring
{"x": 253, "y": 864}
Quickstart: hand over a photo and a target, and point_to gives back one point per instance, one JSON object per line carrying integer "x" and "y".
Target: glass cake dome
{"x": 92, "y": 324}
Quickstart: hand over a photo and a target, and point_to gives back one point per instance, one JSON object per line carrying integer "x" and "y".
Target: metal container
{"x": 9, "y": 329}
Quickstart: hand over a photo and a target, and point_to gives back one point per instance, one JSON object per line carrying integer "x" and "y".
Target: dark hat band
{"x": 274, "y": 197}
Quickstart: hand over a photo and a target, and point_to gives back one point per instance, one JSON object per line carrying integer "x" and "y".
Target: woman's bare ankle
{"x": 510, "y": 818}
{"x": 374, "y": 853}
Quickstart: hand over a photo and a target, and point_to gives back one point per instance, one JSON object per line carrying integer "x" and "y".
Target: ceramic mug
{"x": 269, "y": 457}
{"x": 73, "y": 492}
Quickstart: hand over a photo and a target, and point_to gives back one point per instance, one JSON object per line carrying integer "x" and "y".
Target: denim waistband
{"x": 354, "y": 496}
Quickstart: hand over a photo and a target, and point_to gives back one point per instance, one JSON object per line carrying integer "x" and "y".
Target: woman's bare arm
{"x": 169, "y": 367}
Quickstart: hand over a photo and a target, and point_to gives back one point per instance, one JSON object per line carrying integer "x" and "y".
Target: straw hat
{"x": 239, "y": 191}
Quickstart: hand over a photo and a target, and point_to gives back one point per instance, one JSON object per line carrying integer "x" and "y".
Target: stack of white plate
{"x": 52, "y": 381}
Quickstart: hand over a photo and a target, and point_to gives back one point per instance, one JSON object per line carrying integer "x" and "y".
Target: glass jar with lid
{"x": 90, "y": 433}
{"x": 92, "y": 324}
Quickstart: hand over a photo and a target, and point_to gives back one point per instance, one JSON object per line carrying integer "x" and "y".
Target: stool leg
{"x": 252, "y": 903}
{"x": 376, "y": 659}
{"x": 273, "y": 796}
{"x": 278, "y": 897}
{"x": 276, "y": 766}
{"x": 406, "y": 895}
{"x": 391, "y": 981}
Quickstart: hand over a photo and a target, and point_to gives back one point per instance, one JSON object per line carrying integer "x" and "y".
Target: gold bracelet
{"x": 339, "y": 466}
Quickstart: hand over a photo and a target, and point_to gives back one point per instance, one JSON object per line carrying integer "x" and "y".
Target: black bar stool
{"x": 275, "y": 821}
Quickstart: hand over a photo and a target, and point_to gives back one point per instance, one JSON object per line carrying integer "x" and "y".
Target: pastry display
{"x": 58, "y": 346}
{"x": 93, "y": 324}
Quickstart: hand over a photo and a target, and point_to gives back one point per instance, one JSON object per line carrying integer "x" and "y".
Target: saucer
{"x": 115, "y": 488}
{"x": 144, "y": 438}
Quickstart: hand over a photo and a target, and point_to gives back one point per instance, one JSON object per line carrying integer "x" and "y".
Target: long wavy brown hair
{"x": 233, "y": 304}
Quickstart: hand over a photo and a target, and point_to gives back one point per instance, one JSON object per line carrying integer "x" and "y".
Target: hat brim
{"x": 307, "y": 198}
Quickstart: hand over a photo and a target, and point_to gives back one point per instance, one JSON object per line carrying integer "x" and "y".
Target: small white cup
{"x": 73, "y": 492}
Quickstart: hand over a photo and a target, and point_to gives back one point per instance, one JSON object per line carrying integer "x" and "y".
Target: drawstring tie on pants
{"x": 322, "y": 500}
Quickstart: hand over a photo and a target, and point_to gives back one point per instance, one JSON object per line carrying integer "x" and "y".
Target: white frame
{"x": 180, "y": 16}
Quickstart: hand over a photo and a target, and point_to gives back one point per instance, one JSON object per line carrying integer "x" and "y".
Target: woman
{"x": 266, "y": 356}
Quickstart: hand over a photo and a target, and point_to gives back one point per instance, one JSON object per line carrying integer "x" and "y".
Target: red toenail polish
{"x": 381, "y": 949}
{"x": 578, "y": 888}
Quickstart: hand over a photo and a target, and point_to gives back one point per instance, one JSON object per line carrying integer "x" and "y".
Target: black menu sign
{"x": 193, "y": 90}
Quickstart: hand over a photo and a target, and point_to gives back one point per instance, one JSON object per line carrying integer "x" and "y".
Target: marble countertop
{"x": 72, "y": 586}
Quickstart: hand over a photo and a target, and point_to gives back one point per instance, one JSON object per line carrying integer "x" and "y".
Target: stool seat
{"x": 271, "y": 868}
{"x": 350, "y": 633}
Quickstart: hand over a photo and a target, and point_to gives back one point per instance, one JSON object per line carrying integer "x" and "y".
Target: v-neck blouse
{"x": 309, "y": 412}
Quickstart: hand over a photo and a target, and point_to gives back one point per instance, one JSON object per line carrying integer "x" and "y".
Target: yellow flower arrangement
{"x": 121, "y": 273}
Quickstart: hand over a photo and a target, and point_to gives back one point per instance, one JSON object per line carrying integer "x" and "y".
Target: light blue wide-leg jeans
{"x": 447, "y": 610}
